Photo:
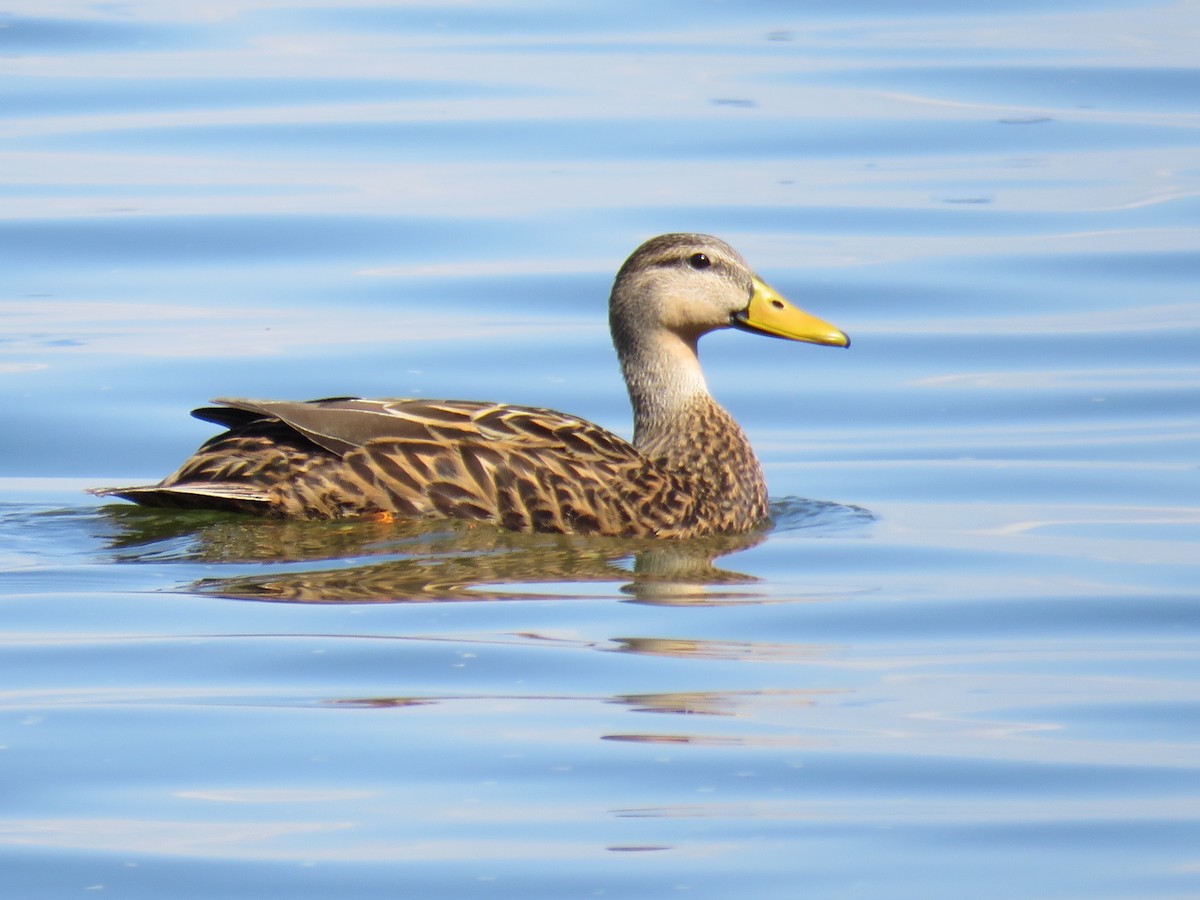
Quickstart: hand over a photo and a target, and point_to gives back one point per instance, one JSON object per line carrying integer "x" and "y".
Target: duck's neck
{"x": 678, "y": 424}
{"x": 666, "y": 385}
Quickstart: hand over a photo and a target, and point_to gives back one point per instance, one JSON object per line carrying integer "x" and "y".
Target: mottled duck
{"x": 689, "y": 470}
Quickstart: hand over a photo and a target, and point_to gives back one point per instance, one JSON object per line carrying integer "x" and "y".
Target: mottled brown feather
{"x": 689, "y": 471}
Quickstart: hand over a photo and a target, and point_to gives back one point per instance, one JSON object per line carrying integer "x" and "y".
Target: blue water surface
{"x": 965, "y": 661}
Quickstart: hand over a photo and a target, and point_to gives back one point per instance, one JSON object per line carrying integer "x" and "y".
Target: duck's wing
{"x": 342, "y": 425}
{"x": 524, "y": 468}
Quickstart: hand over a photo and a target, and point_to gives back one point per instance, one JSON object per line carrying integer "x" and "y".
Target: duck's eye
{"x": 699, "y": 261}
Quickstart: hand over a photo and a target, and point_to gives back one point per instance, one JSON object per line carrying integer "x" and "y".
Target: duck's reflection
{"x": 727, "y": 704}
{"x": 783, "y": 707}
{"x": 365, "y": 562}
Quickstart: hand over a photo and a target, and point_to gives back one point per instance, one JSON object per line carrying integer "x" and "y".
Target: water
{"x": 965, "y": 661}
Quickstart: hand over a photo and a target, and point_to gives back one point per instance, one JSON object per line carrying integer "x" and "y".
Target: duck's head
{"x": 691, "y": 284}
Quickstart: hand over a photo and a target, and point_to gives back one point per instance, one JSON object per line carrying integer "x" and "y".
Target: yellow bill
{"x": 769, "y": 313}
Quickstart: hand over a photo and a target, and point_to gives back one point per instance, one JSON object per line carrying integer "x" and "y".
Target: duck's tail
{"x": 210, "y": 495}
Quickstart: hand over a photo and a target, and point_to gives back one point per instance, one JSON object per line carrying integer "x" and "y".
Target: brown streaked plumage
{"x": 688, "y": 471}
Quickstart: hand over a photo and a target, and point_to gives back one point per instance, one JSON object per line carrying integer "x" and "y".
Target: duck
{"x": 689, "y": 470}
